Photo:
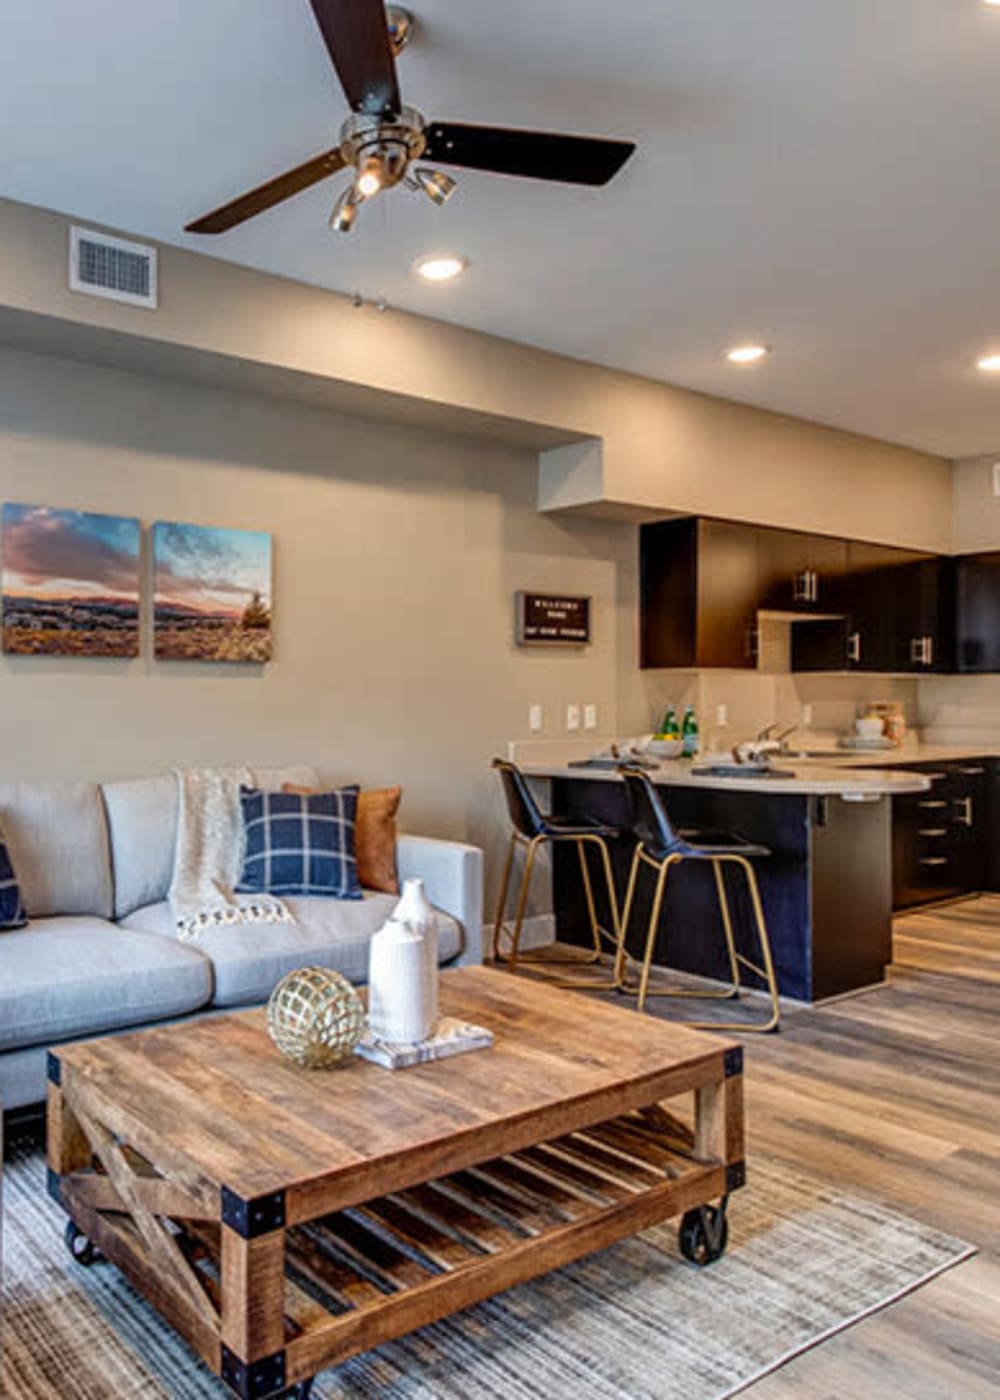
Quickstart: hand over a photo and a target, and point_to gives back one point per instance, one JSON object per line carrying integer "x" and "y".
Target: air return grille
{"x": 103, "y": 266}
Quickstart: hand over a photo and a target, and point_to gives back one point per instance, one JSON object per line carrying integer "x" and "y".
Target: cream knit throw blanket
{"x": 209, "y": 855}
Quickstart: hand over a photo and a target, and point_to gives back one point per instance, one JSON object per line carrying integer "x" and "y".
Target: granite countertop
{"x": 805, "y": 778}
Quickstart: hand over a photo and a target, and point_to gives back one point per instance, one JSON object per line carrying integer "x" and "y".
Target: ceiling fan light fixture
{"x": 989, "y": 364}
{"x": 345, "y": 211}
{"x": 369, "y": 181}
{"x": 436, "y": 185}
{"x": 440, "y": 267}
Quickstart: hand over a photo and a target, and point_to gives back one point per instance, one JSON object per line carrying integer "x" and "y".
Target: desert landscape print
{"x": 70, "y": 582}
{"x": 212, "y": 593}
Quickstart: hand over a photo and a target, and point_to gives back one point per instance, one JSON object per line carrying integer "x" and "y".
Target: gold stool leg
{"x": 654, "y": 919}
{"x": 522, "y": 900}
{"x": 766, "y": 972}
{"x": 595, "y": 931}
{"x": 609, "y": 880}
{"x": 625, "y": 918}
{"x": 727, "y": 924}
{"x": 502, "y": 901}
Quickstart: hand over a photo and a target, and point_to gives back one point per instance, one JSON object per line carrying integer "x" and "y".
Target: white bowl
{"x": 665, "y": 748}
{"x": 869, "y": 728}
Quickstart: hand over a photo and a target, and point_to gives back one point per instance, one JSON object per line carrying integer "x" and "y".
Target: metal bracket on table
{"x": 732, "y": 1061}
{"x": 53, "y": 1069}
{"x": 736, "y": 1176}
{"x": 259, "y": 1379}
{"x": 254, "y": 1216}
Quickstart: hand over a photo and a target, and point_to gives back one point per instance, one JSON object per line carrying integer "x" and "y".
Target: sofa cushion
{"x": 296, "y": 844}
{"x": 249, "y": 959}
{"x": 142, "y": 823}
{"x": 12, "y": 913}
{"x": 65, "y": 977}
{"x": 58, "y": 841}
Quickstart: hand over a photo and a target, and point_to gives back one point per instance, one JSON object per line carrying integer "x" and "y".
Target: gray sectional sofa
{"x": 99, "y": 954}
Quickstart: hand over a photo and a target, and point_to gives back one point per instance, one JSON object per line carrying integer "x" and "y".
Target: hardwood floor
{"x": 961, "y": 940}
{"x": 894, "y": 1094}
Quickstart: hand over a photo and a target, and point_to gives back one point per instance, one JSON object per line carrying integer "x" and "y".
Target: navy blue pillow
{"x": 299, "y": 844}
{"x": 12, "y": 913}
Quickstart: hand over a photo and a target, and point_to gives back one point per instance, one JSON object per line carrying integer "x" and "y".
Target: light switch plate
{"x": 536, "y": 718}
{"x": 722, "y": 715}
{"x": 996, "y": 478}
{"x": 590, "y": 716}
{"x": 572, "y": 716}
{"x": 807, "y": 715}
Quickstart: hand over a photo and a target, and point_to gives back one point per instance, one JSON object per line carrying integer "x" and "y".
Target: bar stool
{"x": 661, "y": 847}
{"x": 532, "y": 829}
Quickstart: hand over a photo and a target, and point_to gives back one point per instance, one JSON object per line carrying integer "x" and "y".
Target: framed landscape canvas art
{"x": 212, "y": 593}
{"x": 70, "y": 582}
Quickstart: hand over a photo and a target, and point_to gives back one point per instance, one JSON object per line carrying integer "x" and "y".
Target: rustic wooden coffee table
{"x": 284, "y": 1220}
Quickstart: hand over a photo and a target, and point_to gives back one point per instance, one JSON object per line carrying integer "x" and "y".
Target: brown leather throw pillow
{"x": 374, "y": 836}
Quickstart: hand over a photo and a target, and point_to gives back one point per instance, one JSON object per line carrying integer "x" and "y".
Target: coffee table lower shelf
{"x": 362, "y": 1276}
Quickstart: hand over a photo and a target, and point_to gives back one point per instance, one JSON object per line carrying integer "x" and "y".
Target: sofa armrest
{"x": 453, "y": 878}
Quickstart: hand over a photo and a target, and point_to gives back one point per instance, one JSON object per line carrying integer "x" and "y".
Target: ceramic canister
{"x": 397, "y": 986}
{"x": 416, "y": 910}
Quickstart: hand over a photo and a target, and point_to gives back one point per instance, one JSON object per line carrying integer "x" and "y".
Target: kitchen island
{"x": 826, "y": 887}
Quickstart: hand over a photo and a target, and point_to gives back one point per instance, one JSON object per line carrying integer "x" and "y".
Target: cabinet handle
{"x": 933, "y": 860}
{"x": 854, "y": 647}
{"x": 972, "y": 772}
{"x": 936, "y": 805}
{"x": 933, "y": 831}
{"x": 803, "y": 589}
{"x": 917, "y": 651}
{"x": 751, "y": 644}
{"x": 965, "y": 806}
{"x": 928, "y": 651}
{"x": 814, "y": 586}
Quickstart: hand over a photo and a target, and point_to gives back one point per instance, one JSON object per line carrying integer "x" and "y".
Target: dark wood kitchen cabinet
{"x": 799, "y": 572}
{"x": 941, "y": 839}
{"x": 977, "y": 586}
{"x": 699, "y": 589}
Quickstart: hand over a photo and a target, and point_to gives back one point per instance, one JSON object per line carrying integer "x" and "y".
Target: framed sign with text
{"x": 551, "y": 619}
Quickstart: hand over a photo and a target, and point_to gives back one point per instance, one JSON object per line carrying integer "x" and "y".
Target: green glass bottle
{"x": 671, "y": 729}
{"x": 689, "y": 733}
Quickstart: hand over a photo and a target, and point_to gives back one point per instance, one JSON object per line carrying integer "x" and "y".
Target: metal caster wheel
{"x": 80, "y": 1247}
{"x": 704, "y": 1234}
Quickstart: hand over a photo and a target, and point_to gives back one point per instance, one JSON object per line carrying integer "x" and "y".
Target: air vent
{"x": 103, "y": 266}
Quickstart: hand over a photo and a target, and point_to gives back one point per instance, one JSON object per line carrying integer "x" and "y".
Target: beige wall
{"x": 975, "y": 508}
{"x": 661, "y": 448}
{"x": 397, "y": 553}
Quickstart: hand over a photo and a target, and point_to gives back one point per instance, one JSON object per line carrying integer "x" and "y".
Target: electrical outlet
{"x": 722, "y": 715}
{"x": 590, "y": 716}
{"x": 807, "y": 715}
{"x": 572, "y": 716}
{"x": 536, "y": 718}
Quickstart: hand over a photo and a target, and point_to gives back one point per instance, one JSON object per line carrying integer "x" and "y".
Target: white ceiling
{"x": 822, "y": 175}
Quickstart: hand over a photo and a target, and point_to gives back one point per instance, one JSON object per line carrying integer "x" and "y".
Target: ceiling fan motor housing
{"x": 389, "y": 139}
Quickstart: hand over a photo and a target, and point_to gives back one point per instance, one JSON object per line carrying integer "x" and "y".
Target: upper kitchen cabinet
{"x": 977, "y": 584}
{"x": 699, "y": 594}
{"x": 798, "y": 572}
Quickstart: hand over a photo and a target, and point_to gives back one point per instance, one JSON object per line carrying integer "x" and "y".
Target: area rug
{"x": 634, "y": 1322}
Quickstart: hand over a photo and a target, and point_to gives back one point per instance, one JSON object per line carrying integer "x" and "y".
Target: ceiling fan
{"x": 382, "y": 138}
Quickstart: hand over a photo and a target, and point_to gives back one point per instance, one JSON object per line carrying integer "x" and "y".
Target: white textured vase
{"x": 416, "y": 910}
{"x": 397, "y": 985}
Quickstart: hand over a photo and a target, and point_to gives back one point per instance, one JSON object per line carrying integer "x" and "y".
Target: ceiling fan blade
{"x": 266, "y": 196}
{"x": 540, "y": 155}
{"x": 357, "y": 36}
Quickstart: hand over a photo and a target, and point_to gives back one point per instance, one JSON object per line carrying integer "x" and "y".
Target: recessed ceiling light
{"x": 440, "y": 267}
{"x": 746, "y": 354}
{"x": 989, "y": 363}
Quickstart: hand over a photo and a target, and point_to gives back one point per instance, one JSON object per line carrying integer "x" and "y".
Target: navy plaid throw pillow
{"x": 12, "y": 913}
{"x": 299, "y": 844}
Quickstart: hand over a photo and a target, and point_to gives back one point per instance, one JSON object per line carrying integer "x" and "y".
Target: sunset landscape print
{"x": 70, "y": 582}
{"x": 212, "y": 593}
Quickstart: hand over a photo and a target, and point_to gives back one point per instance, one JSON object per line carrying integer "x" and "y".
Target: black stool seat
{"x": 556, "y": 826}
{"x": 693, "y": 843}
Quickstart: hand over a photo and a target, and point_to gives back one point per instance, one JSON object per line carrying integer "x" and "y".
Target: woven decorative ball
{"x": 315, "y": 1017}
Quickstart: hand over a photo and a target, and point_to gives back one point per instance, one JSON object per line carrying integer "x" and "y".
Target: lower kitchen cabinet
{"x": 942, "y": 845}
